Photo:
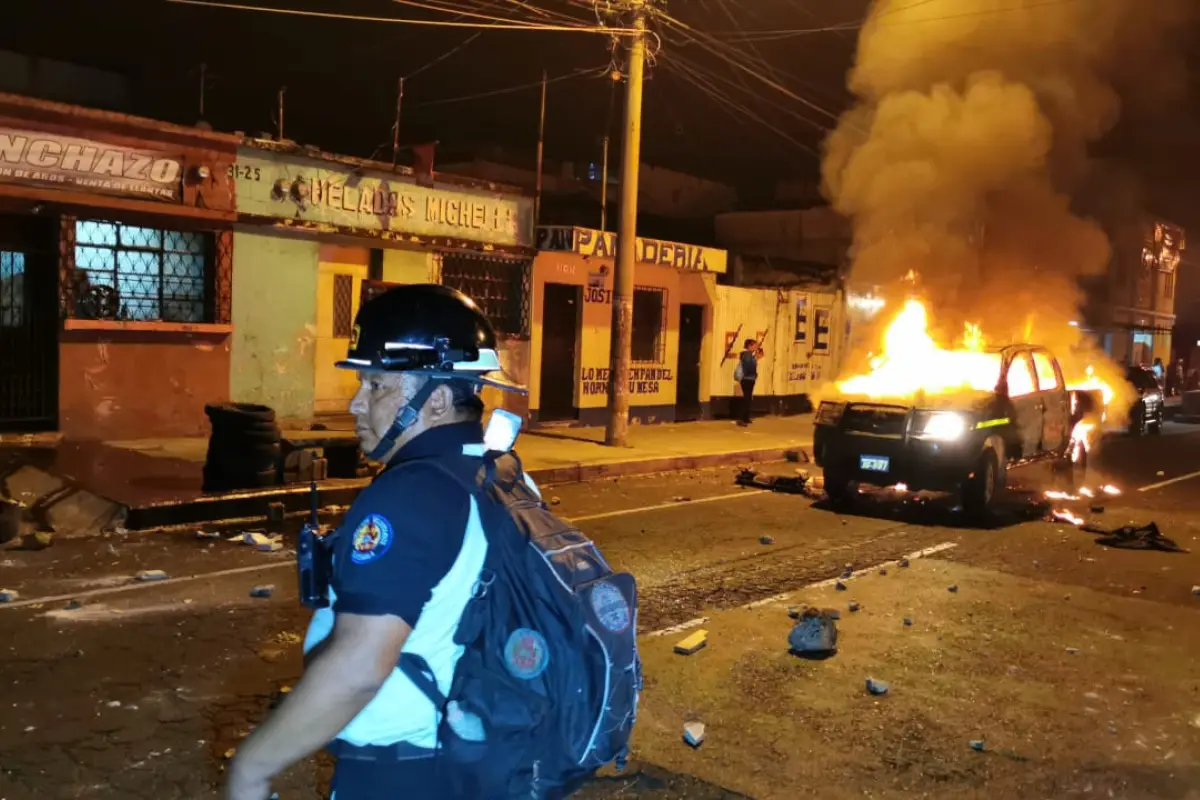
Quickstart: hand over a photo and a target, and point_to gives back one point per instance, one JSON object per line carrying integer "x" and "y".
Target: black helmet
{"x": 430, "y": 329}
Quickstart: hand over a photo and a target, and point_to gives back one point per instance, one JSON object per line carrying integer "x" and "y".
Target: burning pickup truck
{"x": 967, "y": 416}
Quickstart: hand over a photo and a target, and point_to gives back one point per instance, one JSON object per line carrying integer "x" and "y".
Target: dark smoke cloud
{"x": 971, "y": 131}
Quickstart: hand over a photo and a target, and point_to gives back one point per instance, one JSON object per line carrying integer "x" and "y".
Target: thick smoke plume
{"x": 971, "y": 131}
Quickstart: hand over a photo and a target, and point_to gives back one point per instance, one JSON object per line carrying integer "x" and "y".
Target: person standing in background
{"x": 746, "y": 373}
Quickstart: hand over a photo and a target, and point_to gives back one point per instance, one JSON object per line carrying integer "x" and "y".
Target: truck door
{"x": 1025, "y": 403}
{"x": 1056, "y": 403}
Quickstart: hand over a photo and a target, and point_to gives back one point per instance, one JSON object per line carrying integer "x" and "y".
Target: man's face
{"x": 380, "y": 397}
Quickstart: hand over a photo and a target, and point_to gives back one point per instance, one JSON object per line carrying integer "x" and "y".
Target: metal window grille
{"x": 649, "y": 324}
{"x": 131, "y": 272}
{"x": 12, "y": 289}
{"x": 497, "y": 285}
{"x": 343, "y": 306}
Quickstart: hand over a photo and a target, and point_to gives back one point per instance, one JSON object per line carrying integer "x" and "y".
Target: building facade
{"x": 115, "y": 272}
{"x": 1131, "y": 311}
{"x": 317, "y": 234}
{"x": 570, "y": 343}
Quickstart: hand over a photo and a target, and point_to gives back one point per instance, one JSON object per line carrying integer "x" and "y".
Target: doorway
{"x": 561, "y": 303}
{"x": 28, "y": 324}
{"x": 687, "y": 371}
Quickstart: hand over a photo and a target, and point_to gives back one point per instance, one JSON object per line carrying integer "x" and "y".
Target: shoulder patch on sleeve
{"x": 371, "y": 539}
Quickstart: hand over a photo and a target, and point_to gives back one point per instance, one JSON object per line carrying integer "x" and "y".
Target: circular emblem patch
{"x": 371, "y": 539}
{"x": 611, "y": 607}
{"x": 526, "y": 654}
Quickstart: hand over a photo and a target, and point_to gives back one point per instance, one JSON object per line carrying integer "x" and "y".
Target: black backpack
{"x": 547, "y": 687}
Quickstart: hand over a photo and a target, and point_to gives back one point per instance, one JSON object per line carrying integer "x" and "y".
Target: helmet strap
{"x": 406, "y": 417}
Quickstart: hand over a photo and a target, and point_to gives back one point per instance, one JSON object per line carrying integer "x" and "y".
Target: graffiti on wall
{"x": 642, "y": 380}
{"x": 804, "y": 371}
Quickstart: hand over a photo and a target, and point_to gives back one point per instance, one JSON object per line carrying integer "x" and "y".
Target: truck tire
{"x": 837, "y": 487}
{"x": 983, "y": 485}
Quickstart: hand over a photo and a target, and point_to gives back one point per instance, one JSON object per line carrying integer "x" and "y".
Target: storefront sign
{"x": 311, "y": 190}
{"x": 642, "y": 380}
{"x": 35, "y": 158}
{"x": 603, "y": 244}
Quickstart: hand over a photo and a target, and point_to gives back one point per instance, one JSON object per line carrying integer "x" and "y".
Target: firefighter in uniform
{"x": 402, "y": 565}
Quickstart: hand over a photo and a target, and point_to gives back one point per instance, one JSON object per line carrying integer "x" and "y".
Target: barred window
{"x": 12, "y": 289}
{"x": 343, "y": 306}
{"x": 649, "y": 324}
{"x": 496, "y": 285}
{"x": 130, "y": 272}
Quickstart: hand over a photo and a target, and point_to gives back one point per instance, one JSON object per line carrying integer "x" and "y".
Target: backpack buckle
{"x": 484, "y": 582}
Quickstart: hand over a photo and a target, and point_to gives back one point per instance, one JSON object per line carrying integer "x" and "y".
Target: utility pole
{"x": 203, "y": 80}
{"x": 537, "y": 199}
{"x": 396, "y": 127}
{"x": 622, "y": 297}
{"x": 604, "y": 187}
{"x": 281, "y": 91}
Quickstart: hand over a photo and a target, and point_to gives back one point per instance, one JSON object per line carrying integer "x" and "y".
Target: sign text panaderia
{"x": 35, "y": 158}
{"x": 315, "y": 191}
{"x": 603, "y": 244}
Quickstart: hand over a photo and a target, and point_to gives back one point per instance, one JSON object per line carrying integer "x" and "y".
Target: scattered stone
{"x": 795, "y": 611}
{"x": 691, "y": 644}
{"x": 883, "y": 570}
{"x": 908, "y": 622}
{"x": 952, "y": 588}
{"x": 841, "y": 587}
{"x": 681, "y": 499}
{"x": 877, "y": 687}
{"x": 208, "y": 535}
{"x": 275, "y": 512}
{"x": 765, "y": 540}
{"x": 555, "y": 501}
{"x": 853, "y": 606}
{"x": 148, "y": 575}
{"x": 73, "y": 605}
{"x": 814, "y": 634}
{"x": 1097, "y": 509}
{"x": 1072, "y": 651}
{"x": 37, "y": 540}
{"x": 832, "y": 613}
{"x": 1196, "y": 591}
{"x": 904, "y": 562}
{"x": 230, "y": 753}
{"x": 263, "y": 591}
{"x": 1160, "y": 473}
{"x": 693, "y": 733}
{"x": 977, "y": 745}
{"x": 792, "y": 455}
{"x": 114, "y": 703}
{"x": 9, "y": 595}
{"x": 848, "y": 574}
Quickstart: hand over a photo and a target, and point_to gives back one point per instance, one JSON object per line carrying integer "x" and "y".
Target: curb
{"x": 251, "y": 506}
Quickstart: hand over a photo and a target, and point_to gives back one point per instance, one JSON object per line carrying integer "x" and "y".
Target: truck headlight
{"x": 944, "y": 426}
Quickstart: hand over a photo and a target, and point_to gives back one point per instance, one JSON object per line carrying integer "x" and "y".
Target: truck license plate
{"x": 874, "y": 463}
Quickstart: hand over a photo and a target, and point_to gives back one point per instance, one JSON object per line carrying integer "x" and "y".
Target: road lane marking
{"x": 923, "y": 553}
{"x": 661, "y": 506}
{"x": 1169, "y": 481}
{"x": 132, "y": 587}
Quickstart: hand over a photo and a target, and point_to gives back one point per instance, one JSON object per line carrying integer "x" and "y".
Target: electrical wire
{"x": 407, "y": 21}
{"x": 444, "y": 55}
{"x": 579, "y": 73}
{"x": 774, "y": 35}
{"x": 725, "y": 102}
{"x": 428, "y": 5}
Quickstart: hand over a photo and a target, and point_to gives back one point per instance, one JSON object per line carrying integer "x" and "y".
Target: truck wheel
{"x": 984, "y": 484}
{"x": 1156, "y": 426}
{"x": 837, "y": 487}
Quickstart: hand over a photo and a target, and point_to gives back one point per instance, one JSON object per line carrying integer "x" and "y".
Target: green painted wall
{"x": 274, "y": 322}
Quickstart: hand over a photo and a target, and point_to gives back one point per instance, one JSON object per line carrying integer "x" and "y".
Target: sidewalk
{"x": 158, "y": 480}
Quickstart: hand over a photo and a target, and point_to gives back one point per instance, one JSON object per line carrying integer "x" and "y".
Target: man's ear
{"x": 441, "y": 402}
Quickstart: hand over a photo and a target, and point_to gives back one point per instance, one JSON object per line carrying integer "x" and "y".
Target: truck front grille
{"x": 876, "y": 420}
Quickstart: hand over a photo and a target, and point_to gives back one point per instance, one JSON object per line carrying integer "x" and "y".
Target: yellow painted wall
{"x": 408, "y": 266}
{"x": 653, "y": 383}
{"x": 335, "y": 387}
{"x": 791, "y": 364}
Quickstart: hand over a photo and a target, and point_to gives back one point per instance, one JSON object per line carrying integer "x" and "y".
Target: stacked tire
{"x": 244, "y": 448}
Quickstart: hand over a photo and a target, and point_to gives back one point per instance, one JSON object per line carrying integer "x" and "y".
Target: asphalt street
{"x": 114, "y": 688}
